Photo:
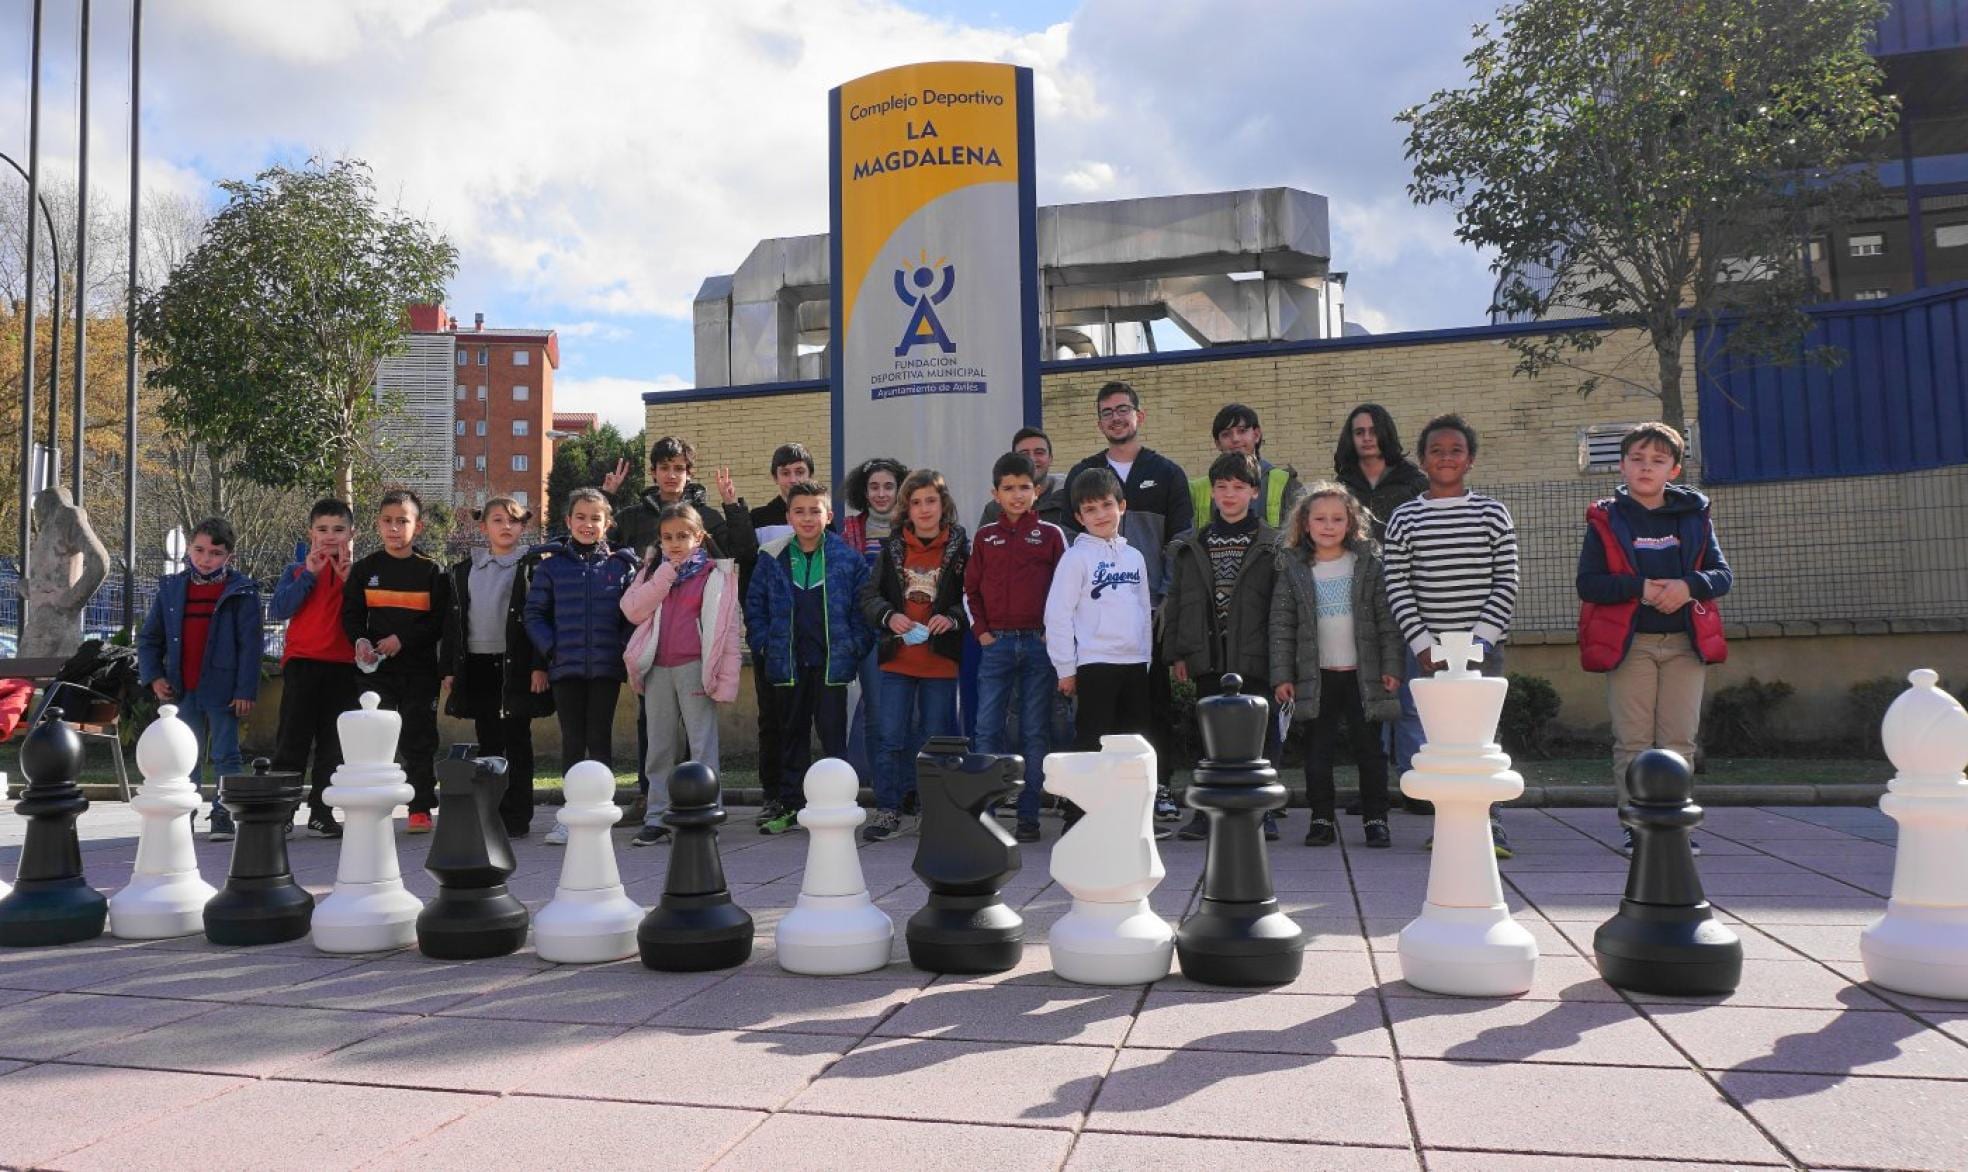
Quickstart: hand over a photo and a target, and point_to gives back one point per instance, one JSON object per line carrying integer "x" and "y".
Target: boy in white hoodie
{"x": 1098, "y": 617}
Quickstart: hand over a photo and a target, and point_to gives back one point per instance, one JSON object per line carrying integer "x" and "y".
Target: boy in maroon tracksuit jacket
{"x": 1005, "y": 585}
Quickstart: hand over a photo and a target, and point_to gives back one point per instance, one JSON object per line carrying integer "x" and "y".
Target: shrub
{"x": 1865, "y": 707}
{"x": 1530, "y": 709}
{"x": 1739, "y": 718}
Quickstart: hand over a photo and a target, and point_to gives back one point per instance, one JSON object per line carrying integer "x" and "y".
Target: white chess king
{"x": 1920, "y": 945}
{"x": 1464, "y": 942}
{"x": 166, "y": 895}
{"x": 835, "y": 927}
{"x": 591, "y": 919}
{"x": 369, "y": 910}
{"x": 1109, "y": 864}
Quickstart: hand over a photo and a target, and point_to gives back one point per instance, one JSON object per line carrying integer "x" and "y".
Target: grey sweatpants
{"x": 679, "y": 716}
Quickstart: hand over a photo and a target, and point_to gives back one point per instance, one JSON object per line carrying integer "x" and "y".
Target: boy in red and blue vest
{"x": 1649, "y": 573}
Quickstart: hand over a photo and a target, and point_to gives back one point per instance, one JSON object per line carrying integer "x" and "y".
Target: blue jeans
{"x": 217, "y": 730}
{"x": 1015, "y": 664}
{"x": 863, "y": 735}
{"x": 896, "y": 714}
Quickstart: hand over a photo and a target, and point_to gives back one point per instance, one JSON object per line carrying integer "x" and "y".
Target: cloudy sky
{"x": 594, "y": 160}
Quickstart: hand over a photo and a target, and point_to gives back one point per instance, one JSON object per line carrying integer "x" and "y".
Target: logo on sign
{"x": 918, "y": 287}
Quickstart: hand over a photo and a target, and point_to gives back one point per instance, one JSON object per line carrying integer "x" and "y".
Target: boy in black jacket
{"x": 395, "y": 610}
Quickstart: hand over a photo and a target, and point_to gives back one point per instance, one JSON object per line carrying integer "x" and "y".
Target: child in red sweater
{"x": 317, "y": 664}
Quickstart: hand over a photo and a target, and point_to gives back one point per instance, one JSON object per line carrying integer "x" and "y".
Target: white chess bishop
{"x": 1109, "y": 864}
{"x": 166, "y": 895}
{"x": 1464, "y": 942}
{"x": 591, "y": 918}
{"x": 835, "y": 927}
{"x": 1920, "y": 945}
{"x": 369, "y": 910}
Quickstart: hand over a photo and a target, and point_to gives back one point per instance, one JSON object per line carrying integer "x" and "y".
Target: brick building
{"x": 501, "y": 406}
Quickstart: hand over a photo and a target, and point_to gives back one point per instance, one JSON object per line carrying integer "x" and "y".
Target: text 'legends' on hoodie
{"x": 1098, "y": 609}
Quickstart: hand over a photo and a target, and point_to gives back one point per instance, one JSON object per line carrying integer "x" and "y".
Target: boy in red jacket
{"x": 317, "y": 662}
{"x": 1005, "y": 585}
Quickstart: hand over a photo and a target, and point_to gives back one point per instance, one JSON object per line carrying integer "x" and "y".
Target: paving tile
{"x": 54, "y": 1108}
{"x": 1598, "y": 1032}
{"x": 222, "y": 976}
{"x": 1107, "y": 1152}
{"x": 613, "y": 997}
{"x": 1784, "y": 984}
{"x": 1556, "y": 978}
{"x": 1757, "y": 944}
{"x": 1447, "y": 1161}
{"x": 1851, "y": 911}
{"x": 396, "y": 986}
{"x": 1080, "y": 1015}
{"x": 511, "y": 1133}
{"x": 251, "y": 1040}
{"x": 1870, "y": 1122}
{"x": 823, "y": 1143}
{"x": 712, "y": 1068}
{"x": 1812, "y": 1041}
{"x": 1034, "y": 967}
{"x": 1331, "y": 935}
{"x": 1857, "y": 975}
{"x": 810, "y": 1005}
{"x": 456, "y": 1054}
{"x": 302, "y": 1126}
{"x": 1032, "y": 1086}
{"x": 1818, "y": 941}
{"x": 1334, "y": 974}
{"x": 1607, "y": 1111}
{"x": 1262, "y": 1023}
{"x": 1253, "y": 1096}
{"x": 55, "y": 1024}
{"x": 63, "y": 970}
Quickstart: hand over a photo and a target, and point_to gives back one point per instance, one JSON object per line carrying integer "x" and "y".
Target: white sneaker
{"x": 557, "y": 836}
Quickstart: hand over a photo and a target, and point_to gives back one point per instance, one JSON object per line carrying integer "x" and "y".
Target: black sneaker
{"x": 882, "y": 824}
{"x": 650, "y": 836}
{"x": 1322, "y": 833}
{"x": 1694, "y": 848}
{"x": 1197, "y": 828}
{"x": 1500, "y": 841}
{"x": 1626, "y": 842}
{"x": 1377, "y": 834}
{"x": 1270, "y": 826}
{"x": 769, "y": 812}
{"x": 518, "y": 831}
{"x": 1026, "y": 832}
{"x": 221, "y": 828}
{"x": 324, "y": 826}
{"x": 1165, "y": 808}
{"x": 911, "y": 804}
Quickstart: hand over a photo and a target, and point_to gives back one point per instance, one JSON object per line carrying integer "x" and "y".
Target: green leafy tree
{"x": 582, "y": 462}
{"x": 1658, "y": 163}
{"x": 267, "y": 336}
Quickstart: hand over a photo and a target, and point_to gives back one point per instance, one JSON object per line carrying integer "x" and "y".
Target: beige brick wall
{"x": 743, "y": 432}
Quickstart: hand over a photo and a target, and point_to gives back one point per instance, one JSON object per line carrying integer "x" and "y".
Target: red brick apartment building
{"x": 498, "y": 411}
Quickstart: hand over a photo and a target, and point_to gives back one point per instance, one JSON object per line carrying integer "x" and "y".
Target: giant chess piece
{"x": 835, "y": 927}
{"x": 591, "y": 918}
{"x": 369, "y": 910}
{"x": 1920, "y": 946}
{"x": 260, "y": 903}
{"x": 51, "y": 902}
{"x": 473, "y": 916}
{"x": 696, "y": 927}
{"x": 1109, "y": 864}
{"x": 1237, "y": 936}
{"x": 964, "y": 857}
{"x": 166, "y": 896}
{"x": 1665, "y": 938}
{"x": 1464, "y": 942}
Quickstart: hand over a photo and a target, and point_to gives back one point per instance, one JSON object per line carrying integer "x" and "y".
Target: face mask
{"x": 917, "y": 634}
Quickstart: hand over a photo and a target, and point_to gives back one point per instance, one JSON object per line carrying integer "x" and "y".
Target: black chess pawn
{"x": 473, "y": 916}
{"x": 964, "y": 857}
{"x": 260, "y": 902}
{"x": 51, "y": 902}
{"x": 1238, "y": 936}
{"x": 1665, "y": 938}
{"x": 696, "y": 927}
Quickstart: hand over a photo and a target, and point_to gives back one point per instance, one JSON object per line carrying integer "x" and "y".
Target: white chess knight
{"x": 1920, "y": 946}
{"x": 591, "y": 918}
{"x": 369, "y": 910}
{"x": 166, "y": 895}
{"x": 1464, "y": 942}
{"x": 1108, "y": 862}
{"x": 834, "y": 927}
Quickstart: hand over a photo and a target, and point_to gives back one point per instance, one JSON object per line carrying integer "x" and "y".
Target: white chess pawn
{"x": 834, "y": 927}
{"x": 1464, "y": 942}
{"x": 369, "y": 910}
{"x": 591, "y": 918}
{"x": 1920, "y": 946}
{"x": 1109, "y": 864}
{"x": 166, "y": 895}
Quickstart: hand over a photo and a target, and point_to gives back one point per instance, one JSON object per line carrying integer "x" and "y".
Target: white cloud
{"x": 615, "y": 400}
{"x": 1089, "y": 179}
{"x": 600, "y": 331}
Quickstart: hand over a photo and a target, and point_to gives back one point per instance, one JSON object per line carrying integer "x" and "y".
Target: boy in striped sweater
{"x": 1451, "y": 561}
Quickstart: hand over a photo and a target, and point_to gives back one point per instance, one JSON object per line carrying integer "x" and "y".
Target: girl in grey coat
{"x": 1335, "y": 652}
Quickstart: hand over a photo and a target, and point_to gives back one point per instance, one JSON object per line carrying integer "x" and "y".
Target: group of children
{"x": 1306, "y": 592}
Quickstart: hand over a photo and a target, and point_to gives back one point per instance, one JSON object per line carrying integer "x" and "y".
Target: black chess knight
{"x": 964, "y": 857}
{"x": 473, "y": 916}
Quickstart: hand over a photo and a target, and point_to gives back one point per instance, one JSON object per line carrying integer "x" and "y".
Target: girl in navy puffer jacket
{"x": 574, "y": 619}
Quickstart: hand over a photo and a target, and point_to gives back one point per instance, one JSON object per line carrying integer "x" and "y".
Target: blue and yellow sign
{"x": 935, "y": 269}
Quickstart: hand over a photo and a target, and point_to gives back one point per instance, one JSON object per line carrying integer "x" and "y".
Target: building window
{"x": 483, "y": 356}
{"x": 521, "y": 394}
{"x": 519, "y": 497}
{"x": 458, "y": 463}
{"x": 519, "y": 463}
{"x": 481, "y": 428}
{"x": 478, "y": 498}
{"x": 461, "y": 427}
{"x": 1872, "y": 294}
{"x": 519, "y": 427}
{"x": 461, "y": 391}
{"x": 478, "y": 463}
{"x": 1599, "y": 446}
{"x": 522, "y": 358}
{"x": 1951, "y": 236}
{"x": 481, "y": 394}
{"x": 464, "y": 357}
{"x": 1869, "y": 244}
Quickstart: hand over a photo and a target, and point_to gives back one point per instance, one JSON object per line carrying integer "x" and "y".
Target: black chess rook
{"x": 51, "y": 902}
{"x": 964, "y": 857}
{"x": 696, "y": 927}
{"x": 1237, "y": 936}
{"x": 1665, "y": 938}
{"x": 260, "y": 902}
{"x": 473, "y": 916}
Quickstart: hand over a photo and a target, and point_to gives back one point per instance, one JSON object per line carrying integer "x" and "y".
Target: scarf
{"x": 695, "y": 564}
{"x": 198, "y": 579}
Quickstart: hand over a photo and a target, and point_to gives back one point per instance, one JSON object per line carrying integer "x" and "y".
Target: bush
{"x": 1739, "y": 716}
{"x": 1530, "y": 710}
{"x": 1865, "y": 707}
